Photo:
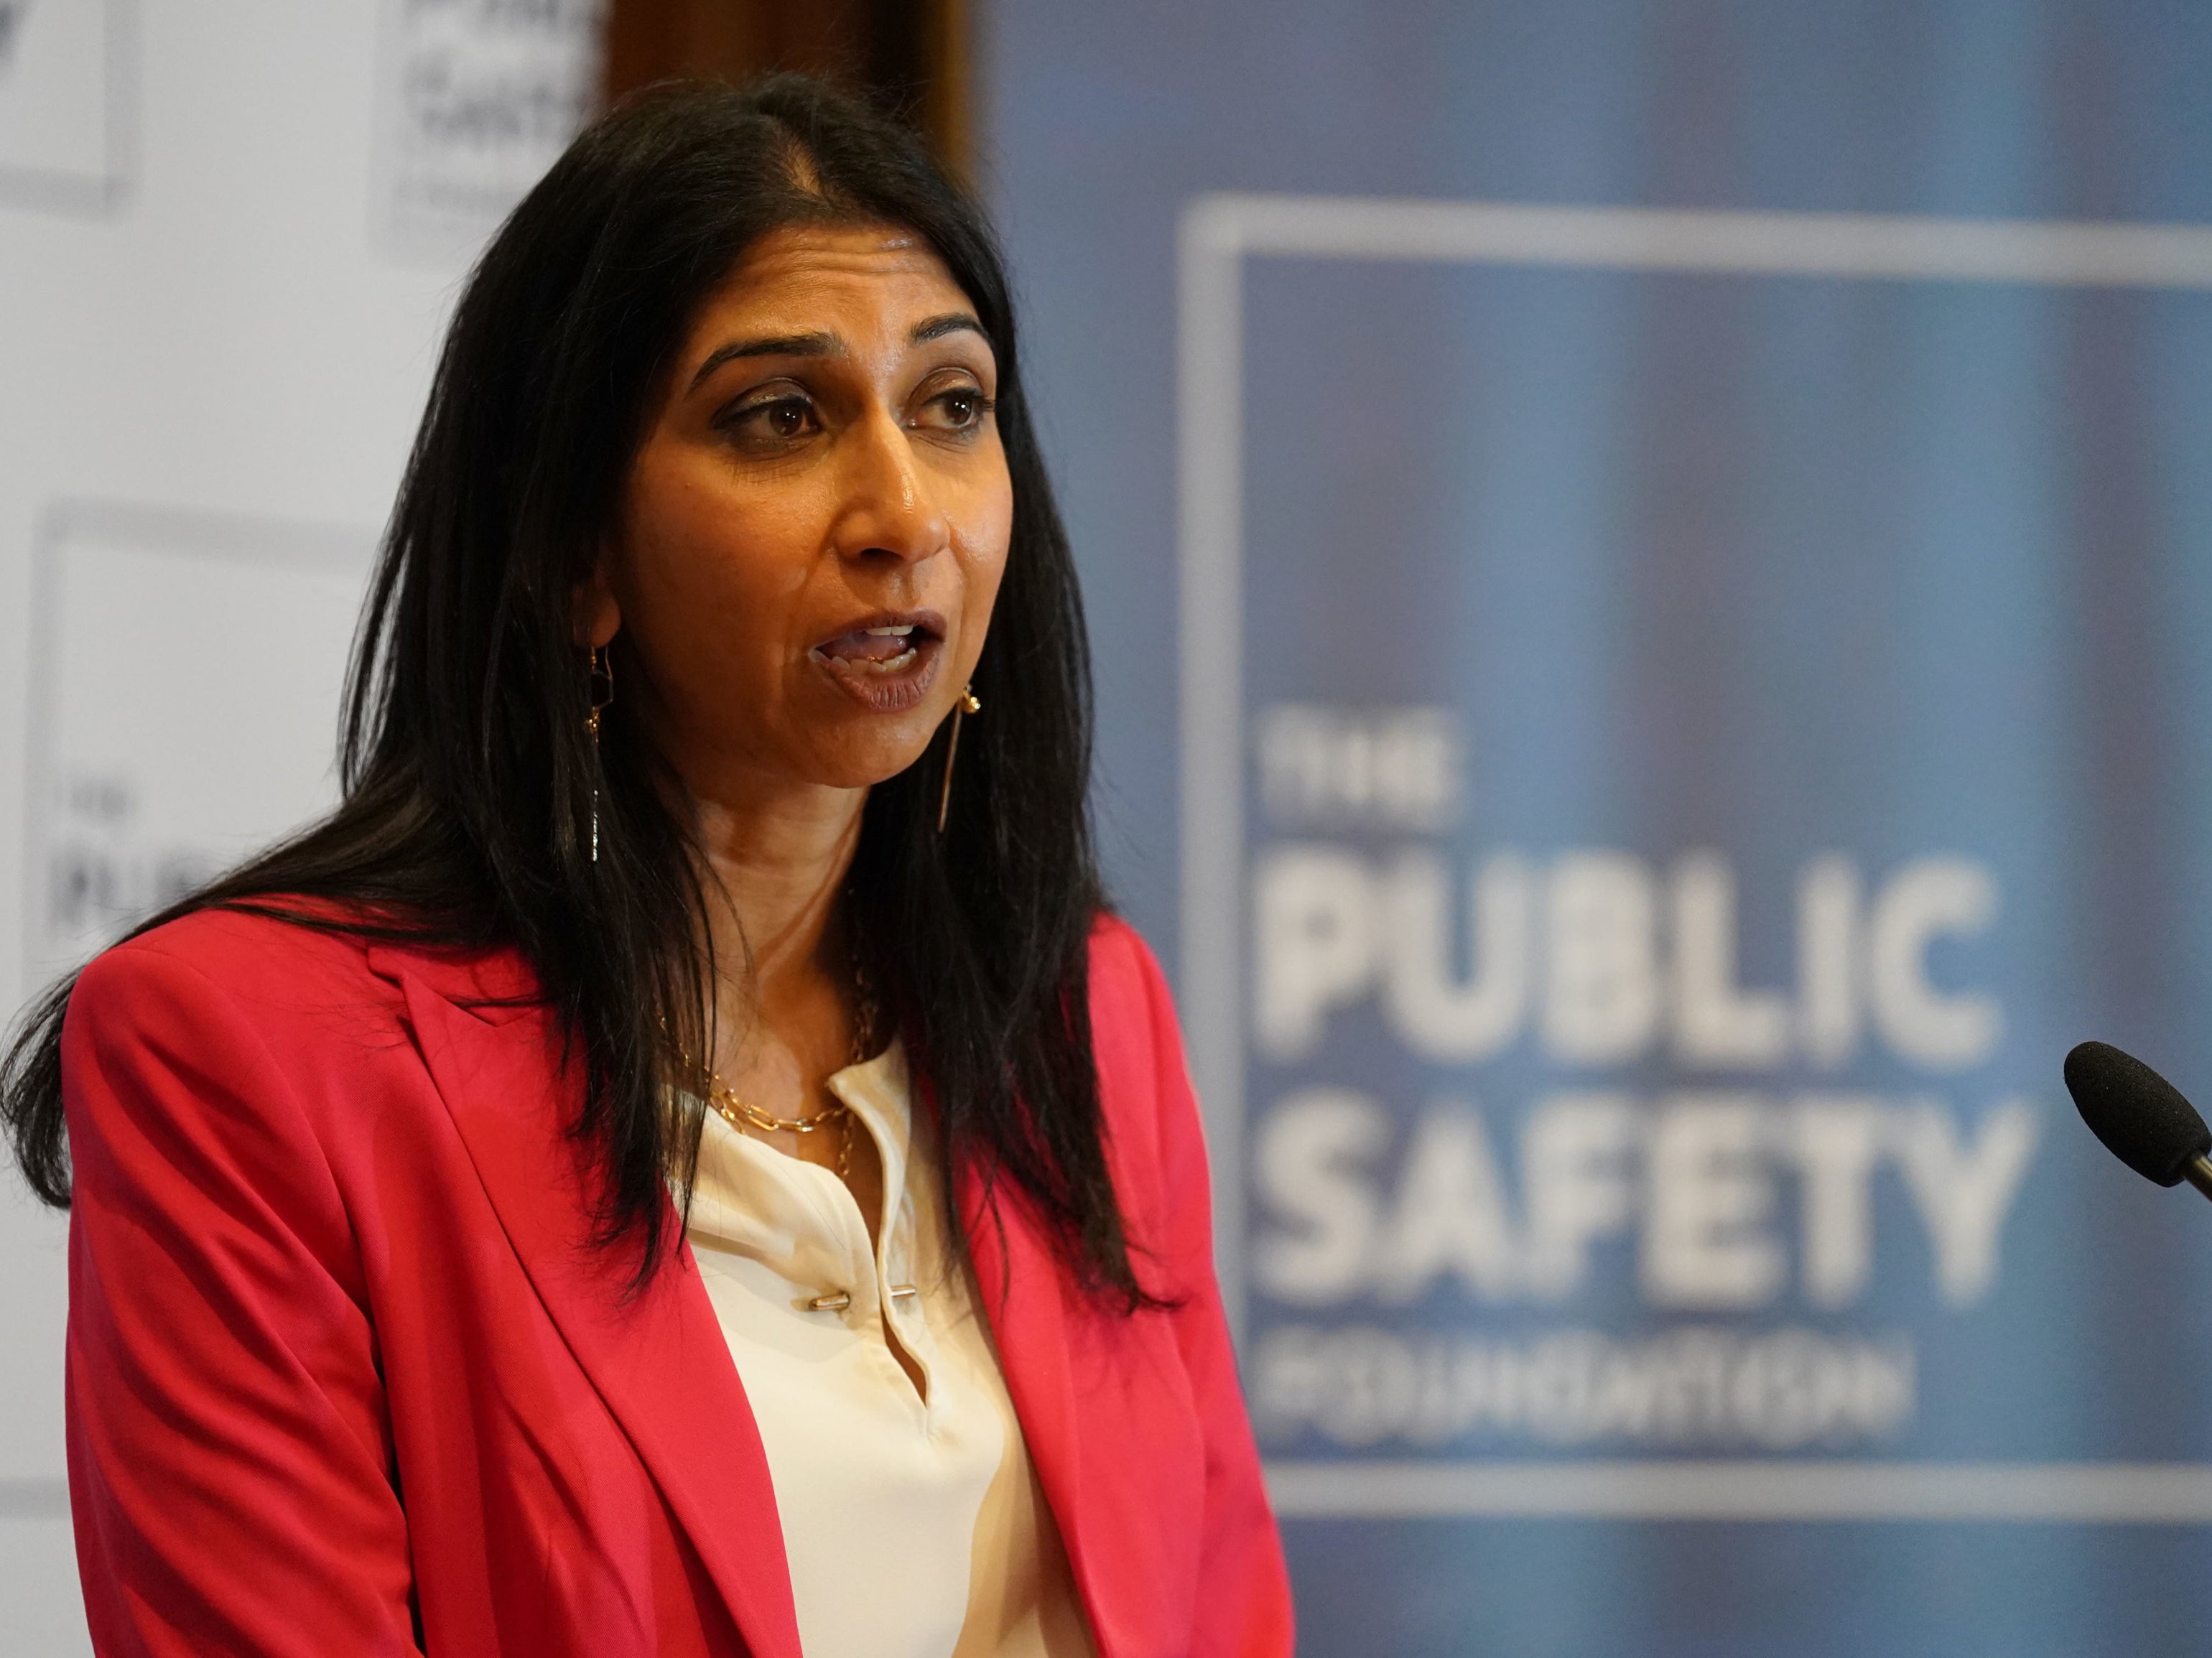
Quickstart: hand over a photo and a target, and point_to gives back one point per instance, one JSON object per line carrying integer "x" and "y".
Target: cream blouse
{"x": 912, "y": 1519}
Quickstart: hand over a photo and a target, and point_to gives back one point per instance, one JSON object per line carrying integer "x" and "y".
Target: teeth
{"x": 890, "y": 665}
{"x": 889, "y": 633}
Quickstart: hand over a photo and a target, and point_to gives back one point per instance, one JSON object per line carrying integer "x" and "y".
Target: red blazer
{"x": 344, "y": 1377}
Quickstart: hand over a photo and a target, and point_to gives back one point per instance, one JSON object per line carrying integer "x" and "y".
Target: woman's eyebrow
{"x": 773, "y": 346}
{"x": 952, "y": 322}
{"x": 828, "y": 345}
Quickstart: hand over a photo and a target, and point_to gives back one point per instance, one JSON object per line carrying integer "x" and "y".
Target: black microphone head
{"x": 2140, "y": 1116}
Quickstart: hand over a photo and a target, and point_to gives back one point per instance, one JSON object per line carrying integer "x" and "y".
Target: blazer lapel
{"x": 659, "y": 1360}
{"x": 1020, "y": 1284}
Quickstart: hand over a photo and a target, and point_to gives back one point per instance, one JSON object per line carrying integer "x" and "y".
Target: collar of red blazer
{"x": 659, "y": 1360}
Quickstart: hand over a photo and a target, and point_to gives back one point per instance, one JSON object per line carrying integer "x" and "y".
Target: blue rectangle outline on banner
{"x": 1218, "y": 232}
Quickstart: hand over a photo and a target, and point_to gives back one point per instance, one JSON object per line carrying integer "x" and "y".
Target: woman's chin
{"x": 860, "y": 760}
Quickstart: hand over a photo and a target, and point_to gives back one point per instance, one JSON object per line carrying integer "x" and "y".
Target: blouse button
{"x": 836, "y": 1301}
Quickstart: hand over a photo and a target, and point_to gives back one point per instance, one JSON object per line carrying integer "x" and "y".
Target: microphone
{"x": 2140, "y": 1116}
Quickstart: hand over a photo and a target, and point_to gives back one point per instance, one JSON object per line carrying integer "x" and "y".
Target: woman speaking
{"x": 681, "y": 1161}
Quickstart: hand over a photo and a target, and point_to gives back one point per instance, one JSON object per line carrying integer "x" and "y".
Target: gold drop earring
{"x": 966, "y": 705}
{"x": 601, "y": 680}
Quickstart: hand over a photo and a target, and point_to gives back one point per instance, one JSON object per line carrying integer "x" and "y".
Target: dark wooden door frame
{"x": 912, "y": 57}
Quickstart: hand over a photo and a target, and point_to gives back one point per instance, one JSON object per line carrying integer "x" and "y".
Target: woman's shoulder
{"x": 221, "y": 1024}
{"x": 274, "y": 952}
{"x": 284, "y": 948}
{"x": 1134, "y": 1033}
{"x": 286, "y": 997}
{"x": 1124, "y": 972}
{"x": 268, "y": 951}
{"x": 1155, "y": 1137}
{"x": 279, "y": 962}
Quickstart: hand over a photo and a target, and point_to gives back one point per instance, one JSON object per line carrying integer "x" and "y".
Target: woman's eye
{"x": 775, "y": 419}
{"x": 960, "y": 409}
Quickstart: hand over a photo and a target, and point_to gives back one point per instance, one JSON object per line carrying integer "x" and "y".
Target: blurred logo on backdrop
{"x": 186, "y": 677}
{"x": 1627, "y": 1283}
{"x": 1629, "y": 868}
{"x": 475, "y": 100}
{"x": 65, "y": 95}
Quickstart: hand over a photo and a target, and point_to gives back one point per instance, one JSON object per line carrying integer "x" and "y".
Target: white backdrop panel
{"x": 221, "y": 315}
{"x": 64, "y": 101}
{"x": 186, "y": 684}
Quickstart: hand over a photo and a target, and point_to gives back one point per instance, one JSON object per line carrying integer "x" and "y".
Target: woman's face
{"x": 816, "y": 522}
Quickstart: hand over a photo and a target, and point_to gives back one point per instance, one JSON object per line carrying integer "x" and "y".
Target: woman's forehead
{"x": 835, "y": 268}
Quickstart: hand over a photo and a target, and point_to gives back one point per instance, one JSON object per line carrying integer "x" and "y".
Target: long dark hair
{"x": 467, "y": 765}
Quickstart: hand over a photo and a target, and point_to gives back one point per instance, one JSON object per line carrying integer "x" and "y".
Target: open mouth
{"x": 887, "y": 660}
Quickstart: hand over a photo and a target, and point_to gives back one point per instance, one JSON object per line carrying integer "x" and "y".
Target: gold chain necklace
{"x": 741, "y": 1114}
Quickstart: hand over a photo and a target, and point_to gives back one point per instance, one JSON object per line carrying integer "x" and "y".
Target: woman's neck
{"x": 788, "y": 1017}
{"x": 779, "y": 858}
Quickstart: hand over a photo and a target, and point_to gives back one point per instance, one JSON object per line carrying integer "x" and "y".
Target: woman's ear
{"x": 598, "y": 613}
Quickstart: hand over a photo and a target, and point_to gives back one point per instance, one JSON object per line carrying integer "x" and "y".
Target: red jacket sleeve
{"x": 228, "y": 1445}
{"x": 1244, "y": 1601}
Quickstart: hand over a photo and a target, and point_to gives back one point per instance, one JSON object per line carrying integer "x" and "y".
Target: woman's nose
{"x": 889, "y": 506}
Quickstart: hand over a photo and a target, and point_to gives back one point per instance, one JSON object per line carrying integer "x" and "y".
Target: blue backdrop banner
{"x": 1692, "y": 534}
